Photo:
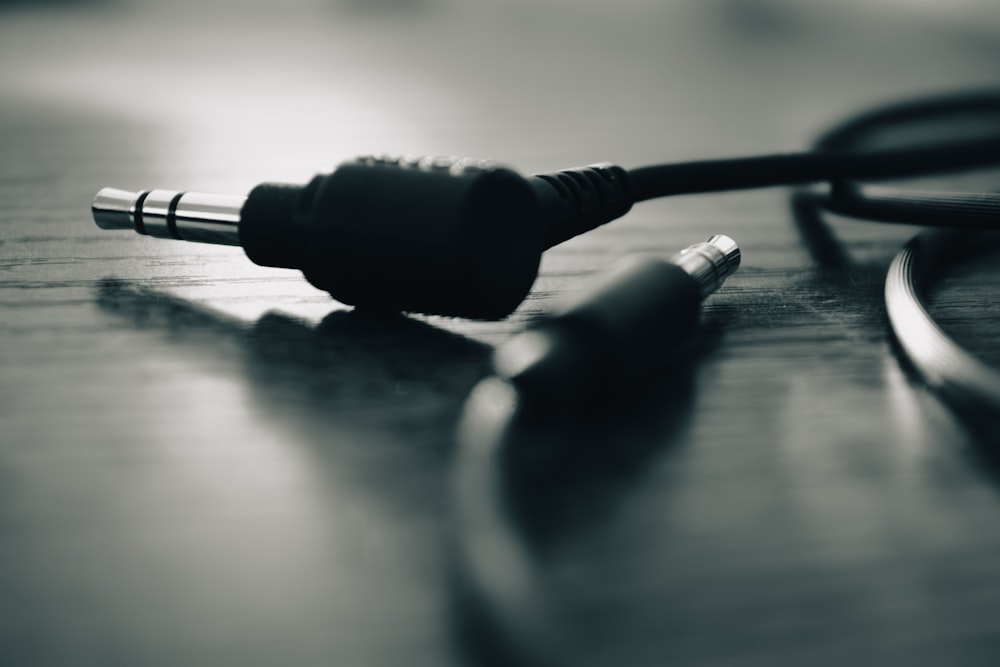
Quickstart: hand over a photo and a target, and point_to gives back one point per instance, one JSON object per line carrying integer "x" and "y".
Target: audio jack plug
{"x": 615, "y": 330}
{"x": 443, "y": 236}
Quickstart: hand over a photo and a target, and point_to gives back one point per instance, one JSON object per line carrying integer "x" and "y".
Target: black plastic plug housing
{"x": 436, "y": 235}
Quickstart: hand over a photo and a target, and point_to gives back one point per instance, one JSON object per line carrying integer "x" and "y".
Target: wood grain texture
{"x": 204, "y": 462}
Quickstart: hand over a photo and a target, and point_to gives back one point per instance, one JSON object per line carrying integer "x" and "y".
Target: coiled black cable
{"x": 966, "y": 383}
{"x": 854, "y": 151}
{"x": 937, "y": 209}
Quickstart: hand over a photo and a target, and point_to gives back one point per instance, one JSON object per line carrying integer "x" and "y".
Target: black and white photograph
{"x": 499, "y": 333}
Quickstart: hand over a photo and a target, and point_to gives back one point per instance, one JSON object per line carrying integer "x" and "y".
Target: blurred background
{"x": 205, "y": 462}
{"x": 285, "y": 86}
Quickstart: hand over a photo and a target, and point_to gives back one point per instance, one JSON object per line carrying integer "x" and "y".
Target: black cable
{"x": 966, "y": 383}
{"x": 872, "y": 122}
{"x": 894, "y": 205}
{"x": 507, "y": 612}
{"x": 796, "y": 168}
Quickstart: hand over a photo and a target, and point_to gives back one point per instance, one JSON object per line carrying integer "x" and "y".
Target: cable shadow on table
{"x": 366, "y": 371}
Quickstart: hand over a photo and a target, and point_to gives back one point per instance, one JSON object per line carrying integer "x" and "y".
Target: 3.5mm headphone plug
{"x": 633, "y": 316}
{"x": 445, "y": 236}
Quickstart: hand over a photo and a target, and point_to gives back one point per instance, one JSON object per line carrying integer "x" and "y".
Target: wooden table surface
{"x": 206, "y": 462}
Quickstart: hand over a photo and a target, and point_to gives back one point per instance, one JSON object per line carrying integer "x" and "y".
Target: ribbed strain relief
{"x": 577, "y": 200}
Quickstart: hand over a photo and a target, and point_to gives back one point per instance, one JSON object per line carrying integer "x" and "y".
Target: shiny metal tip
{"x": 112, "y": 208}
{"x": 168, "y": 214}
{"x": 710, "y": 262}
{"x": 730, "y": 251}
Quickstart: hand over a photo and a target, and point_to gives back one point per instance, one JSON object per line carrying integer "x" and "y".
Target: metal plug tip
{"x": 112, "y": 208}
{"x": 730, "y": 251}
{"x": 710, "y": 262}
